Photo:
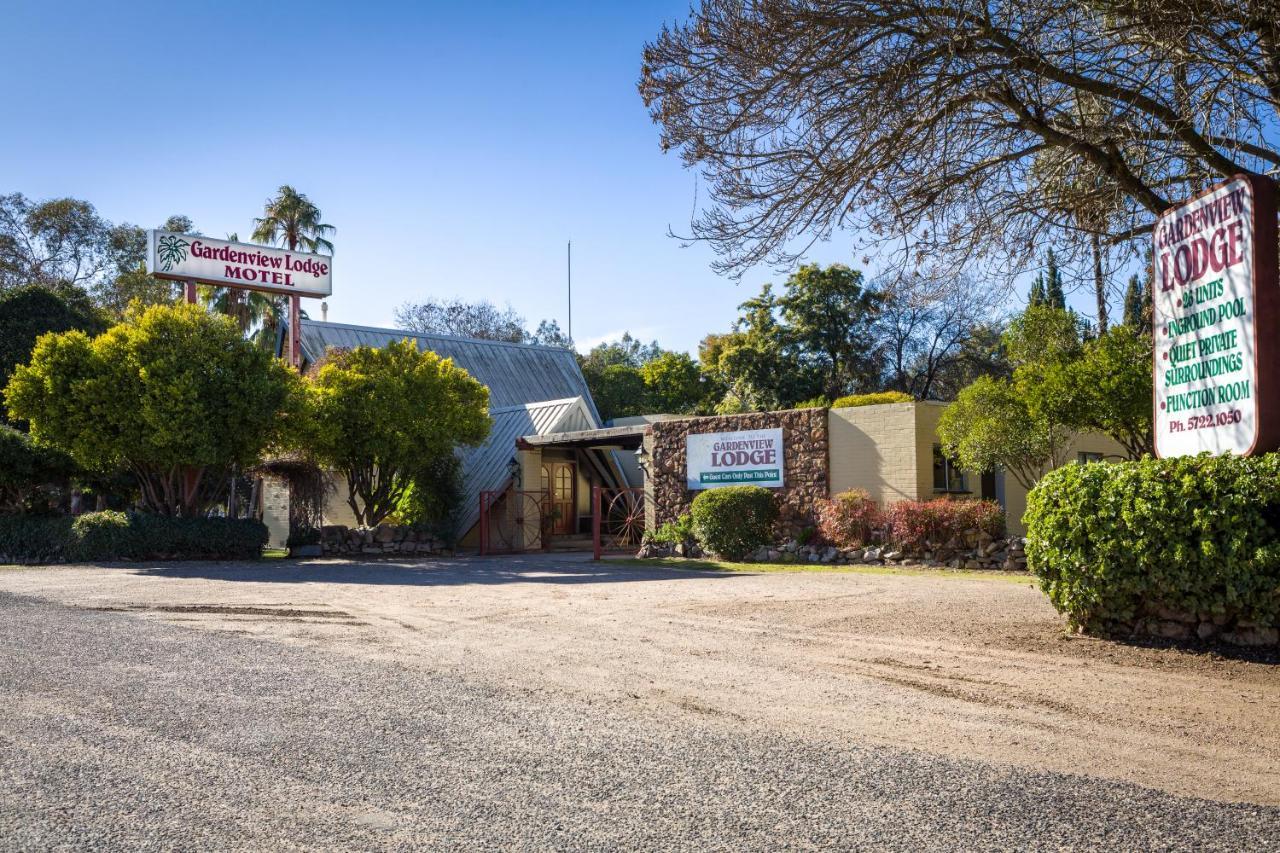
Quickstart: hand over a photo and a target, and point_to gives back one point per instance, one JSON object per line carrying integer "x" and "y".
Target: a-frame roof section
{"x": 516, "y": 374}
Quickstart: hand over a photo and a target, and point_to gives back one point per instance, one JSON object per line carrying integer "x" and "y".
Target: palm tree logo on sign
{"x": 171, "y": 250}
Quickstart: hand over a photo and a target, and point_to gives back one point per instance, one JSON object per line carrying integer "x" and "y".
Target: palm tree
{"x": 293, "y": 221}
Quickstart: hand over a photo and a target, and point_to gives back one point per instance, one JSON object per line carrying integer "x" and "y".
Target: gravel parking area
{"x": 551, "y": 703}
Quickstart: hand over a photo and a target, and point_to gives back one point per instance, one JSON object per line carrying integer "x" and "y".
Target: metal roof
{"x": 514, "y": 373}
{"x": 628, "y": 437}
{"x": 532, "y": 390}
{"x": 486, "y": 468}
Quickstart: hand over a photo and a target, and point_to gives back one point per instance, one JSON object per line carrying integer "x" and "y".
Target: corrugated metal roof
{"x": 485, "y": 468}
{"x": 514, "y": 373}
{"x": 532, "y": 390}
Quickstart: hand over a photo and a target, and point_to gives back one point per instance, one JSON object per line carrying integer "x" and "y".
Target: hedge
{"x": 879, "y": 398}
{"x": 850, "y": 519}
{"x": 919, "y": 526}
{"x": 734, "y": 521}
{"x": 99, "y": 536}
{"x": 1199, "y": 537}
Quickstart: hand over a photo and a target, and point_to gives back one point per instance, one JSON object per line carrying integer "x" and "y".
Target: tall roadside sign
{"x": 192, "y": 258}
{"x": 1216, "y": 318}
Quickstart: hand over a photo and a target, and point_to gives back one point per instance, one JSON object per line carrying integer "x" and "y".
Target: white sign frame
{"x": 1213, "y": 289}
{"x": 225, "y": 263}
{"x": 753, "y": 457}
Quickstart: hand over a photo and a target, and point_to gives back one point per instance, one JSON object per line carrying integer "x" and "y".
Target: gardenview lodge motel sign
{"x": 1215, "y": 305}
{"x": 191, "y": 258}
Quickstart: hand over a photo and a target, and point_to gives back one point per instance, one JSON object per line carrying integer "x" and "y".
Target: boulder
{"x": 893, "y": 555}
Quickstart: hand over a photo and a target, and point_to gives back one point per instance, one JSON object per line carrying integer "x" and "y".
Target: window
{"x": 1084, "y": 457}
{"x": 947, "y": 477}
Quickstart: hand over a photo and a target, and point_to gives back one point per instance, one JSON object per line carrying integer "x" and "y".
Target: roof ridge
{"x": 307, "y": 321}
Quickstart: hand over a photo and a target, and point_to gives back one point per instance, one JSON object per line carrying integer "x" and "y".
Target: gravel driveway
{"x": 550, "y": 703}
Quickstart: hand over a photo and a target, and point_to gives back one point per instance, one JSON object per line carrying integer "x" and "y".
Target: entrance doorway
{"x": 560, "y": 480}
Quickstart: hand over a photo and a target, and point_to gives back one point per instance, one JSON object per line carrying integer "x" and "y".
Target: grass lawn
{"x": 847, "y": 568}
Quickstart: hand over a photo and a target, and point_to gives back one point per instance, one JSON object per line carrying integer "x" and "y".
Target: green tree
{"x": 991, "y": 425}
{"x": 1055, "y": 294}
{"x": 379, "y": 415}
{"x": 830, "y": 318}
{"x": 25, "y": 467}
{"x": 549, "y": 334}
{"x": 174, "y": 395}
{"x": 29, "y": 311}
{"x": 1105, "y": 387}
{"x": 1037, "y": 296}
{"x": 1041, "y": 335}
{"x": 131, "y": 284}
{"x": 617, "y": 389}
{"x": 673, "y": 384}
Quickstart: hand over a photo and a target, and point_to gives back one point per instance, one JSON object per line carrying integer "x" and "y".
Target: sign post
{"x": 1215, "y": 308}
{"x": 746, "y": 457}
{"x": 191, "y": 258}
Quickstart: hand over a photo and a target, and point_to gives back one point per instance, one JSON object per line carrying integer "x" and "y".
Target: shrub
{"x": 672, "y": 533}
{"x": 734, "y": 521}
{"x": 849, "y": 520}
{"x": 97, "y": 536}
{"x": 877, "y": 399}
{"x": 1199, "y": 535}
{"x": 918, "y": 526}
{"x": 818, "y": 402}
{"x": 34, "y": 538}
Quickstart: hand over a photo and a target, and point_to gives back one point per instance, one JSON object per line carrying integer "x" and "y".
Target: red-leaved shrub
{"x": 849, "y": 520}
{"x": 918, "y": 526}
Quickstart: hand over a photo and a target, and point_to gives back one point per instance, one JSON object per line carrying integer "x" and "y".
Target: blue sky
{"x": 456, "y": 147}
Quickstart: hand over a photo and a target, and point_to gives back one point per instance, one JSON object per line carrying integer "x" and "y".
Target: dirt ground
{"x": 974, "y": 667}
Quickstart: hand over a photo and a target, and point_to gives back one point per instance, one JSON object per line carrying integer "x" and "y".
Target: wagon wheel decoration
{"x": 624, "y": 519}
{"x": 518, "y": 521}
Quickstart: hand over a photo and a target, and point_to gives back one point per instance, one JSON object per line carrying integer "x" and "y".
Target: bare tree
{"x": 482, "y": 319}
{"x": 929, "y": 123}
{"x": 926, "y": 323}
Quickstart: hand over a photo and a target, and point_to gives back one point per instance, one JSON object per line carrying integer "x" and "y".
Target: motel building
{"x": 553, "y": 476}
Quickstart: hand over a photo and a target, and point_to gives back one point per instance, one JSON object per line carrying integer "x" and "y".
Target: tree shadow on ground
{"x": 453, "y": 571}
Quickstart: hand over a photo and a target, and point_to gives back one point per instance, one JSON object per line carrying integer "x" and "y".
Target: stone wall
{"x": 805, "y": 462}
{"x": 338, "y": 539}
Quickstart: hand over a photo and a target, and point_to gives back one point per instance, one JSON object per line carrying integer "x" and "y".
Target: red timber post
{"x": 191, "y": 293}
{"x": 596, "y": 545}
{"x": 295, "y": 331}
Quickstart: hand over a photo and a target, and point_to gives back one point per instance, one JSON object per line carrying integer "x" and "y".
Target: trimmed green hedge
{"x": 879, "y": 398}
{"x": 98, "y": 536}
{"x": 734, "y": 521}
{"x": 1114, "y": 544}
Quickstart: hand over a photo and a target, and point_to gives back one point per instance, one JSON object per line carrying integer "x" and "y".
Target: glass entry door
{"x": 559, "y": 480}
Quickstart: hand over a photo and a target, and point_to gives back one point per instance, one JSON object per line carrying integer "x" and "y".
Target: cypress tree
{"x": 1036, "y": 298}
{"x": 1133, "y": 299}
{"x": 1054, "y": 294}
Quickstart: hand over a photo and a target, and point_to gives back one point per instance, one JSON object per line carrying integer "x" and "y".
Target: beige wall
{"x": 275, "y": 511}
{"x": 888, "y": 451}
{"x": 877, "y": 448}
{"x": 336, "y": 508}
{"x": 1015, "y": 496}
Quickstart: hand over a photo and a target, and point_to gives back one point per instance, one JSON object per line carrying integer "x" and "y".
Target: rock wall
{"x": 806, "y": 448}
{"x": 338, "y": 539}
